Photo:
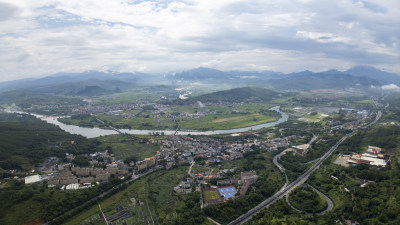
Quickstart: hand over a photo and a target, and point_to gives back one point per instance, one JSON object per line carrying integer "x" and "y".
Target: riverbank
{"x": 97, "y": 132}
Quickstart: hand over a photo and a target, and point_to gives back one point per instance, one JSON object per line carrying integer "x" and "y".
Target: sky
{"x": 44, "y": 37}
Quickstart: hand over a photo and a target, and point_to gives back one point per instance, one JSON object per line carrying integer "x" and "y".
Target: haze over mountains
{"x": 97, "y": 83}
{"x": 202, "y": 74}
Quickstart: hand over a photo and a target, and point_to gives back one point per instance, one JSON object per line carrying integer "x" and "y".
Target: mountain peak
{"x": 331, "y": 71}
{"x": 372, "y": 72}
{"x": 201, "y": 68}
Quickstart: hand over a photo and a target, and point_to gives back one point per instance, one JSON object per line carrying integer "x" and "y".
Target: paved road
{"x": 281, "y": 168}
{"x": 291, "y": 206}
{"x": 313, "y": 139}
{"x": 327, "y": 199}
{"x": 105, "y": 219}
{"x": 276, "y": 158}
{"x": 299, "y": 181}
{"x": 215, "y": 222}
{"x": 190, "y": 168}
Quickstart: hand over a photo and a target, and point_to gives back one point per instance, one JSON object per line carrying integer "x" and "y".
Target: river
{"x": 97, "y": 132}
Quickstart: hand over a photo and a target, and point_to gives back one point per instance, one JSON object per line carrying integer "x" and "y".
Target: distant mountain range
{"x": 91, "y": 83}
{"x": 360, "y": 76}
{"x": 74, "y": 79}
{"x": 373, "y": 73}
{"x": 204, "y": 74}
{"x": 88, "y": 83}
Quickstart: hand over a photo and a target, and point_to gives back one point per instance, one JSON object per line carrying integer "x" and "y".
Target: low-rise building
{"x": 74, "y": 186}
{"x": 68, "y": 180}
{"x": 33, "y": 179}
{"x": 244, "y": 189}
{"x": 376, "y": 151}
{"x": 112, "y": 170}
{"x": 53, "y": 181}
{"x": 82, "y": 172}
{"x": 102, "y": 177}
{"x": 146, "y": 163}
{"x": 86, "y": 180}
{"x": 249, "y": 177}
{"x": 226, "y": 182}
{"x": 366, "y": 159}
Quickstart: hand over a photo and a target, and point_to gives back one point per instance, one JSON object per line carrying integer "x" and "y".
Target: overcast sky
{"x": 43, "y": 37}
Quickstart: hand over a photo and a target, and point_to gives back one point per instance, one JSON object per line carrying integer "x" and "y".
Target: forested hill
{"x": 26, "y": 141}
{"x": 251, "y": 94}
{"x": 27, "y": 98}
{"x": 323, "y": 81}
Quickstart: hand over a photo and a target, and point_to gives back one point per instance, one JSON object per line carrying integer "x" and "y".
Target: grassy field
{"x": 154, "y": 193}
{"x": 198, "y": 169}
{"x": 212, "y": 195}
{"x": 209, "y": 122}
{"x": 363, "y": 104}
{"x": 223, "y": 122}
{"x": 313, "y": 118}
{"x": 124, "y": 148}
{"x": 126, "y": 97}
{"x": 225, "y": 118}
{"x": 220, "y": 118}
{"x": 366, "y": 101}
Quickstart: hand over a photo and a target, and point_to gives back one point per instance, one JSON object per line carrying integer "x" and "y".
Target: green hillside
{"x": 244, "y": 94}
{"x": 322, "y": 81}
{"x": 26, "y": 98}
{"x": 26, "y": 141}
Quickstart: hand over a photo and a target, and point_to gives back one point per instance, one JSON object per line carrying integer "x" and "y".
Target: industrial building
{"x": 374, "y": 156}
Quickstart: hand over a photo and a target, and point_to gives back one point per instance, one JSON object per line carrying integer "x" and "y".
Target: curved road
{"x": 299, "y": 181}
{"x": 291, "y": 206}
{"x": 282, "y": 169}
{"x": 327, "y": 199}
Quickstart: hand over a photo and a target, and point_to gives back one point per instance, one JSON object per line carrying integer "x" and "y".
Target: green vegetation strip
{"x": 307, "y": 200}
{"x": 154, "y": 191}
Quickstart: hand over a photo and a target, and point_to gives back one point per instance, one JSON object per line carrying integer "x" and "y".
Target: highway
{"x": 299, "y": 181}
{"x": 282, "y": 169}
{"x": 282, "y": 192}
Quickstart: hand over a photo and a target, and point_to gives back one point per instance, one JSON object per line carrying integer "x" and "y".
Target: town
{"x": 157, "y": 173}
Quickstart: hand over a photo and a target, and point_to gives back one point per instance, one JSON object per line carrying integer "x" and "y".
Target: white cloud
{"x": 391, "y": 87}
{"x": 322, "y": 37}
{"x": 48, "y": 36}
